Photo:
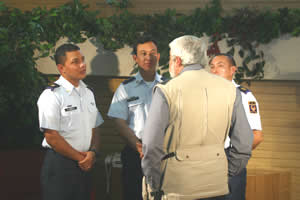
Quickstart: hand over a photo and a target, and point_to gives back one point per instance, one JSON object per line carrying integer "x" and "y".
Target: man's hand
{"x": 139, "y": 147}
{"x": 258, "y": 138}
{"x": 60, "y": 145}
{"x": 127, "y": 133}
{"x": 87, "y": 163}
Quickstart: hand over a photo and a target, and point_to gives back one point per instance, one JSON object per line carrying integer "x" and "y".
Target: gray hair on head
{"x": 191, "y": 49}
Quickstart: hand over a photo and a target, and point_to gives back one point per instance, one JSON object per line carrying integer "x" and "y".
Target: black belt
{"x": 169, "y": 155}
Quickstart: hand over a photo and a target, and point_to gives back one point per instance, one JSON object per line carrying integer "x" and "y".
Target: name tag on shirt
{"x": 70, "y": 109}
{"x": 132, "y": 99}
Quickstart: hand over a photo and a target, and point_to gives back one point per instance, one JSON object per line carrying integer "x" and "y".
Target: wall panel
{"x": 280, "y": 112}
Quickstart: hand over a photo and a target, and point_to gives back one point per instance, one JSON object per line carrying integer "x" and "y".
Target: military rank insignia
{"x": 243, "y": 89}
{"x": 52, "y": 86}
{"x": 252, "y": 107}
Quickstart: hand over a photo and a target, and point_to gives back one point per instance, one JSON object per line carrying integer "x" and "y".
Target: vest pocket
{"x": 197, "y": 172}
{"x": 209, "y": 152}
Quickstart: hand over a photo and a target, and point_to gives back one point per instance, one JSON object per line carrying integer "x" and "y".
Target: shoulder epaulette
{"x": 243, "y": 89}
{"x": 53, "y": 86}
{"x": 89, "y": 87}
{"x": 128, "y": 80}
{"x": 164, "y": 79}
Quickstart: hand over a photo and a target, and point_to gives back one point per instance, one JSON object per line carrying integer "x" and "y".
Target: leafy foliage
{"x": 28, "y": 36}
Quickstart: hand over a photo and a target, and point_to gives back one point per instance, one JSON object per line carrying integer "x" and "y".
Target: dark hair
{"x": 60, "y": 53}
{"x": 141, "y": 40}
{"x": 230, "y": 58}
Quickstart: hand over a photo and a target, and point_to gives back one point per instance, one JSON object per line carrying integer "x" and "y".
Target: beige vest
{"x": 200, "y": 107}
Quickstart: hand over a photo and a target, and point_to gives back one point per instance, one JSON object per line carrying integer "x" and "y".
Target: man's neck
{"x": 75, "y": 83}
{"x": 147, "y": 76}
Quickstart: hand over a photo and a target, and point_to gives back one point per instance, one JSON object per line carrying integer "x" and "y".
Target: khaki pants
{"x": 147, "y": 193}
{"x": 171, "y": 196}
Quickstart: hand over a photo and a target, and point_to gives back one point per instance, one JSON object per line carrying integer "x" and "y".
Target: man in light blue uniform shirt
{"x": 224, "y": 65}
{"x": 129, "y": 110}
{"x": 68, "y": 117}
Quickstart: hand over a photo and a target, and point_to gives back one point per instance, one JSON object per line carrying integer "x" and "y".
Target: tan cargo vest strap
{"x": 169, "y": 155}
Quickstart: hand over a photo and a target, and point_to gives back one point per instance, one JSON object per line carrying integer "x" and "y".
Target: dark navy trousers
{"x": 62, "y": 179}
{"x": 237, "y": 186}
{"x": 132, "y": 174}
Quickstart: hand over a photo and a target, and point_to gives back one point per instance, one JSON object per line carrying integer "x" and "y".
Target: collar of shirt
{"x": 69, "y": 86}
{"x": 139, "y": 79}
{"x": 234, "y": 83}
{"x": 191, "y": 67}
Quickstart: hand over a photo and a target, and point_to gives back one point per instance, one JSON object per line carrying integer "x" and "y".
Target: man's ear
{"x": 233, "y": 69}
{"x": 178, "y": 61}
{"x": 60, "y": 68}
{"x": 134, "y": 57}
{"x": 178, "y": 65}
{"x": 158, "y": 57}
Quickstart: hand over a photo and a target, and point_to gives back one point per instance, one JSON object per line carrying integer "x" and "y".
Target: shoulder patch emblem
{"x": 128, "y": 80}
{"x": 243, "y": 89}
{"x": 53, "y": 86}
{"x": 252, "y": 107}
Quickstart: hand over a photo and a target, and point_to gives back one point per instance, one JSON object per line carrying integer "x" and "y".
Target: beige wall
{"x": 98, "y": 60}
{"x": 281, "y": 55}
{"x": 279, "y": 103}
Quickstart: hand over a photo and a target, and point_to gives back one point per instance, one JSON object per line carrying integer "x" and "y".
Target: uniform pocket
{"x": 93, "y": 112}
{"x": 92, "y": 107}
{"x": 137, "y": 115}
{"x": 136, "y": 106}
{"x": 70, "y": 118}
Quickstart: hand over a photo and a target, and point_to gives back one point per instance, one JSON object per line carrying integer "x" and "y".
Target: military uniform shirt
{"x": 251, "y": 109}
{"x": 70, "y": 111}
{"x": 131, "y": 102}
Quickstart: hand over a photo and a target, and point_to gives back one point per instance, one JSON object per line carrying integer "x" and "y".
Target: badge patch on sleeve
{"x": 252, "y": 107}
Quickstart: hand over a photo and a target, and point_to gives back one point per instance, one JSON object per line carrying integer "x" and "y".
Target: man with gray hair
{"x": 189, "y": 119}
